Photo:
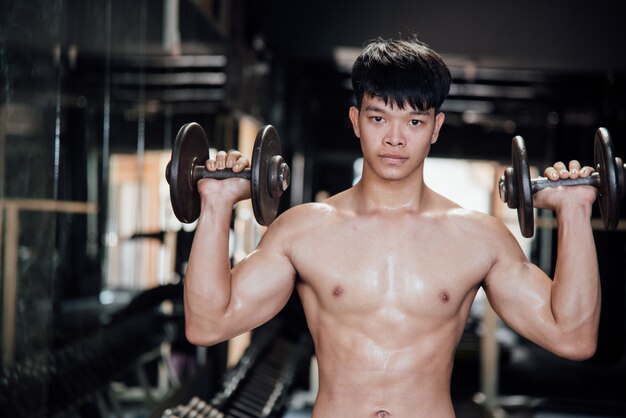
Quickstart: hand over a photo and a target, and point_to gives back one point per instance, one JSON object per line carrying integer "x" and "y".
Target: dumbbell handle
{"x": 282, "y": 175}
{"x": 541, "y": 183}
{"x": 201, "y": 172}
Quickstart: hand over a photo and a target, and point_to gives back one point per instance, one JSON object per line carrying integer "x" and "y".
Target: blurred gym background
{"x": 92, "y": 95}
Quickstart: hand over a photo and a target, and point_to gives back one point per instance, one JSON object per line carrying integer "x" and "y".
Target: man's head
{"x": 403, "y": 72}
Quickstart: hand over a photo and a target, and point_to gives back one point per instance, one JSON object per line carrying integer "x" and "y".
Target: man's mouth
{"x": 392, "y": 158}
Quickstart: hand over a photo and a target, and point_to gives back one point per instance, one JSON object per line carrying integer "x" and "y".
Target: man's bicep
{"x": 263, "y": 282}
{"x": 519, "y": 293}
{"x": 261, "y": 286}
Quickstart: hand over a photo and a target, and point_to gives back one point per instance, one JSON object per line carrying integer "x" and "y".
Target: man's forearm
{"x": 575, "y": 297}
{"x": 207, "y": 279}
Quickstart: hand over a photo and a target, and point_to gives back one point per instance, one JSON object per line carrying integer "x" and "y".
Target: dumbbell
{"x": 269, "y": 175}
{"x": 516, "y": 188}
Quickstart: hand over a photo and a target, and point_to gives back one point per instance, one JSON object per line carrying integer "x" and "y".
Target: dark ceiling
{"x": 549, "y": 34}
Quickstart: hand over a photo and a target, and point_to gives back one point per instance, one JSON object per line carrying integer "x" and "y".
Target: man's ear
{"x": 439, "y": 118}
{"x": 353, "y": 113}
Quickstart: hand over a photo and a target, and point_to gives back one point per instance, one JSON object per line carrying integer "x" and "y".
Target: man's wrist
{"x": 216, "y": 208}
{"x": 574, "y": 211}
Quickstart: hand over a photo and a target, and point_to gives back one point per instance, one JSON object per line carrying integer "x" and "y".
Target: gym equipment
{"x": 516, "y": 188}
{"x": 261, "y": 382}
{"x": 73, "y": 375}
{"x": 269, "y": 175}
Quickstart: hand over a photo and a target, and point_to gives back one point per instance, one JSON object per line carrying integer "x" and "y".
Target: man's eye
{"x": 415, "y": 122}
{"x": 378, "y": 119}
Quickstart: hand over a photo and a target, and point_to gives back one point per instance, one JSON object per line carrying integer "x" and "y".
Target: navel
{"x": 337, "y": 291}
{"x": 382, "y": 414}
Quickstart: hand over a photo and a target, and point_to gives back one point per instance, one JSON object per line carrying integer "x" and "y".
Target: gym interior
{"x": 93, "y": 257}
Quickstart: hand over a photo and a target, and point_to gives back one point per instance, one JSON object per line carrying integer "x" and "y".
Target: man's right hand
{"x": 230, "y": 190}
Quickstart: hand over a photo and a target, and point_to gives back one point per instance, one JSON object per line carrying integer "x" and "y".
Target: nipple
{"x": 444, "y": 296}
{"x": 337, "y": 291}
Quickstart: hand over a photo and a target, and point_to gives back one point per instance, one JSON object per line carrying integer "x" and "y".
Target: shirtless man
{"x": 389, "y": 268}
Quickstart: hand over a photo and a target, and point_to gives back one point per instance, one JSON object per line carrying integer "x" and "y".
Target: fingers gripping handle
{"x": 541, "y": 183}
{"x": 200, "y": 172}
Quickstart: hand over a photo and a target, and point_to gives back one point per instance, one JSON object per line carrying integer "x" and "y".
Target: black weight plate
{"x": 621, "y": 178}
{"x": 509, "y": 192}
{"x": 607, "y": 169}
{"x": 522, "y": 183}
{"x": 190, "y": 148}
{"x": 266, "y": 146}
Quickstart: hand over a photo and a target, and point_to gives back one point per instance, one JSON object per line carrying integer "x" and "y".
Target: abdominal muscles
{"x": 392, "y": 369}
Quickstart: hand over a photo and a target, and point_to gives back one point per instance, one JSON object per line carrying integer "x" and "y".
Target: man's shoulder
{"x": 318, "y": 211}
{"x": 473, "y": 220}
{"x": 483, "y": 235}
{"x": 306, "y": 215}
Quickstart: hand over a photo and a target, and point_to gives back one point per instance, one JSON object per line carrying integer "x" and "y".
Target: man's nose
{"x": 395, "y": 137}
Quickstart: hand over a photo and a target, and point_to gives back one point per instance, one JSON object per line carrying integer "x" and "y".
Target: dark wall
{"x": 553, "y": 34}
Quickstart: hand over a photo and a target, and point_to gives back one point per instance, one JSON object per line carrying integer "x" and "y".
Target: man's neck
{"x": 379, "y": 195}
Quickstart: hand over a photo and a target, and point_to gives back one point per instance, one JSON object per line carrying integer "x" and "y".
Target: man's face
{"x": 394, "y": 141}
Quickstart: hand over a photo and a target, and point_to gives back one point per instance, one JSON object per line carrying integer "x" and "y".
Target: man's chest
{"x": 361, "y": 271}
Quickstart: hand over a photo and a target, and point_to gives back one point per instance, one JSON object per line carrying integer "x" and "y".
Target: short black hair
{"x": 401, "y": 71}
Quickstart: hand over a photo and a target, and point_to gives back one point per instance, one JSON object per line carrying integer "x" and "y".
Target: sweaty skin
{"x": 388, "y": 271}
{"x": 385, "y": 322}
